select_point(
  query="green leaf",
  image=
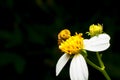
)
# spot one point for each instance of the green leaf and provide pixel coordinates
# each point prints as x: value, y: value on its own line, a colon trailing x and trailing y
x: 10, y: 58
x: 6, y: 35
x: 5, y: 59
x: 9, y: 3
x: 19, y: 64
x: 35, y: 36
x: 12, y: 38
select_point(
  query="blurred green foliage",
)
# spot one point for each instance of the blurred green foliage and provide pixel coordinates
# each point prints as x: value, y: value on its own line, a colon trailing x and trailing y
x: 28, y: 36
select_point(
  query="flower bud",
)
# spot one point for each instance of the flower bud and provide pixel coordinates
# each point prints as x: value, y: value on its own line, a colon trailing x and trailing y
x: 95, y: 30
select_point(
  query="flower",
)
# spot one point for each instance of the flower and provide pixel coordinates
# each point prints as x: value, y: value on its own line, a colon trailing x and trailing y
x: 95, y: 30
x: 73, y: 46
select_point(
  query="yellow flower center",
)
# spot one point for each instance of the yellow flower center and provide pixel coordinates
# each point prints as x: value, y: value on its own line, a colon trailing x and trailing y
x: 73, y: 44
x: 95, y: 30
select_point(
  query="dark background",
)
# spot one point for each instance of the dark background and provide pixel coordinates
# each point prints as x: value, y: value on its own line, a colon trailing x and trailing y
x: 28, y: 36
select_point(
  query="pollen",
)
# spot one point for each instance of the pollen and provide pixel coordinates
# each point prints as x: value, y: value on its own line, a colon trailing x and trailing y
x: 72, y: 45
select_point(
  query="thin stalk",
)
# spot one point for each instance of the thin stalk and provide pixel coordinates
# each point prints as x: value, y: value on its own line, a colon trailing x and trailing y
x: 102, y: 70
x: 93, y: 65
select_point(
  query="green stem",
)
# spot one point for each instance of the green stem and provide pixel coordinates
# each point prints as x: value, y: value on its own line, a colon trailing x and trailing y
x: 100, y: 61
x: 93, y: 65
x: 102, y: 67
x: 105, y: 74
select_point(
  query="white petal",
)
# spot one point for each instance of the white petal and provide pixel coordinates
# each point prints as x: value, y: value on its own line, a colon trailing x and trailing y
x: 61, y: 63
x: 78, y: 68
x: 97, y: 43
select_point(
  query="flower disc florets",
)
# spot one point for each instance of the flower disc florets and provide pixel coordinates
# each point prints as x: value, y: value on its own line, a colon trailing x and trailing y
x: 72, y: 45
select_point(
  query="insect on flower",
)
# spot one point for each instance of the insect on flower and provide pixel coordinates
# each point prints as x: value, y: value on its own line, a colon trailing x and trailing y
x: 63, y: 35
